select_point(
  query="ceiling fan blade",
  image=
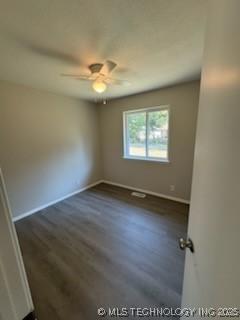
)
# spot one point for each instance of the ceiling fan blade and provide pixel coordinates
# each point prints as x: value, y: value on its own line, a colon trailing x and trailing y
x: 108, y: 67
x: 93, y: 76
x: 81, y: 76
x: 82, y: 79
x: 118, y: 82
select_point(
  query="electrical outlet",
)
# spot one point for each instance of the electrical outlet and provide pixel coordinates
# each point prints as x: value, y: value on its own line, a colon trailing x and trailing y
x: 172, y: 187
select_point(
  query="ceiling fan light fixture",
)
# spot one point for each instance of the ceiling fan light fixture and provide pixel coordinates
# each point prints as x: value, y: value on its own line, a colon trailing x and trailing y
x: 99, y: 86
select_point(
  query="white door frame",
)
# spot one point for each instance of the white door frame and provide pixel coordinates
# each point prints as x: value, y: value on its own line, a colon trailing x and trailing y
x: 15, y: 297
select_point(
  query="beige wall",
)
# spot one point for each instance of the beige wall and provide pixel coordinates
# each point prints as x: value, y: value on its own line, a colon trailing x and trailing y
x: 48, y: 145
x: 153, y: 176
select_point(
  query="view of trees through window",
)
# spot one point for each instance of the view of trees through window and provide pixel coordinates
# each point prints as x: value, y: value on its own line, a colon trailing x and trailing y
x: 147, y: 133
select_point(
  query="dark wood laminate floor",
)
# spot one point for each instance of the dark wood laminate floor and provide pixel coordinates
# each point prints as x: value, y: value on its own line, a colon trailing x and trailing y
x: 103, y: 247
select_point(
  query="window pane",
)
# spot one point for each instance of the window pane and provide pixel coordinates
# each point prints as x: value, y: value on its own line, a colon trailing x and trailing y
x: 136, y: 136
x: 158, y: 134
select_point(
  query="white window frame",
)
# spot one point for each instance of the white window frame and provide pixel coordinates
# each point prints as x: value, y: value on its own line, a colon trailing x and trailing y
x: 125, y: 131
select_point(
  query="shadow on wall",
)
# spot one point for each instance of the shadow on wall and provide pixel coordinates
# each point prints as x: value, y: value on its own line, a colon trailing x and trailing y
x: 49, y: 146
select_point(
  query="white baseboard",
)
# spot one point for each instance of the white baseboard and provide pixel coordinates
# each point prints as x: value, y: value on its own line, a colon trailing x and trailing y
x: 160, y: 195
x: 26, y: 214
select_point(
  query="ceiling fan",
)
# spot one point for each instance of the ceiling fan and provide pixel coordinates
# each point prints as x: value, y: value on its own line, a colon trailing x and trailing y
x: 99, y: 75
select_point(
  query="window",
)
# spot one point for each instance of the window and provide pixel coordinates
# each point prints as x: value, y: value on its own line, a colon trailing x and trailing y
x: 146, y: 134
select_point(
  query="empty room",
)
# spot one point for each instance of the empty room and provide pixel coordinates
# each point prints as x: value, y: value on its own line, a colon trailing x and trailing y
x: 119, y: 159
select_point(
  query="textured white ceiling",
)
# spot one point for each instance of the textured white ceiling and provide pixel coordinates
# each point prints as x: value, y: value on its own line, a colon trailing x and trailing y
x: 154, y: 42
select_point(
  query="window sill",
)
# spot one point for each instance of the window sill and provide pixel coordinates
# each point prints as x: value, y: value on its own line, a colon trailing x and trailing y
x: 165, y: 161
